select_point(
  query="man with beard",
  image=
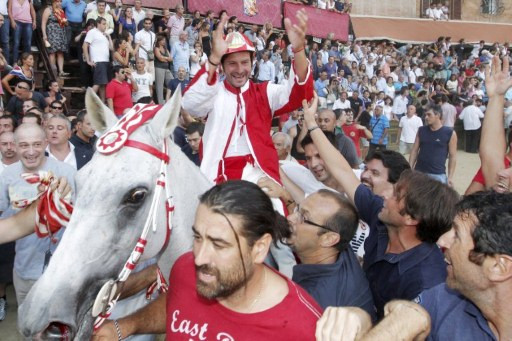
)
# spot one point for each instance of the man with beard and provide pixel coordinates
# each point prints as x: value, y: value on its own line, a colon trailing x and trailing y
x: 401, y: 258
x: 222, y: 290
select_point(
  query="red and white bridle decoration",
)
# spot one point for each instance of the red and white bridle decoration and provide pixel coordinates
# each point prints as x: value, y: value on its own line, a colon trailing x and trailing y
x: 111, y: 142
x: 53, y: 210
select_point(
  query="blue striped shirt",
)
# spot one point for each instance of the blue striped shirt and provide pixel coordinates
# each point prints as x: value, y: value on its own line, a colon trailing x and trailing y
x: 377, y: 125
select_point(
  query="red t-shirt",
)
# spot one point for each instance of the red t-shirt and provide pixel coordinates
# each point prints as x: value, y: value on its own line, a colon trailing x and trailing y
x: 121, y: 94
x: 354, y: 134
x: 192, y: 317
x: 479, y: 176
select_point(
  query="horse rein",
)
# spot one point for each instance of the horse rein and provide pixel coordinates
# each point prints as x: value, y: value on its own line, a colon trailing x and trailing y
x: 110, y: 142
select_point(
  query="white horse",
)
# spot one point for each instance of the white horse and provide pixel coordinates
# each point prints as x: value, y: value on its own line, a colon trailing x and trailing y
x: 114, y: 198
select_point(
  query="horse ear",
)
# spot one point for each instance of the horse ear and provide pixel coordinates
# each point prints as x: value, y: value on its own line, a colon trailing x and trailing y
x: 102, y: 118
x: 166, y: 118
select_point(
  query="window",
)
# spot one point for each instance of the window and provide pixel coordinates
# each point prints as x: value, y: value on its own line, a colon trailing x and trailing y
x: 492, y: 7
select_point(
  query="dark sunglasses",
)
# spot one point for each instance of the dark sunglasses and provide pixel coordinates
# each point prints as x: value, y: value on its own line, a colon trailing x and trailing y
x: 54, y: 107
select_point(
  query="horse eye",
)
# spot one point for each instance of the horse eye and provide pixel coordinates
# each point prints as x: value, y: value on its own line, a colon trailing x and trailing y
x: 136, y: 196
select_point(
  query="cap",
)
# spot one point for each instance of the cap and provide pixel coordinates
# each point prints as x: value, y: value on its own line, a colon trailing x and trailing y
x: 239, y: 43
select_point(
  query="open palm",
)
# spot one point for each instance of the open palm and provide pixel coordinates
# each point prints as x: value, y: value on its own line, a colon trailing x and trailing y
x: 297, y: 32
x: 219, y: 45
x: 497, y: 77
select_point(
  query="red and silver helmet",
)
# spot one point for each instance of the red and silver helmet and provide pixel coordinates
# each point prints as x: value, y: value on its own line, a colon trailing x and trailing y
x: 239, y: 43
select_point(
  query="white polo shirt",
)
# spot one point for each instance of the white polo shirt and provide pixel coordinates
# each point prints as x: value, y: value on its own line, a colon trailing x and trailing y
x: 99, y: 49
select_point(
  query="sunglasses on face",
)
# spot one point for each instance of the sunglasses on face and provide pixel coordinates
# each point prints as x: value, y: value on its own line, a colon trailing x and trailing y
x: 54, y: 107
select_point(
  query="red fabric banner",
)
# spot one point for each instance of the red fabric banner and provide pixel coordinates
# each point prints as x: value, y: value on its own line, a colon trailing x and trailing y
x: 321, y: 22
x: 248, y: 11
x: 161, y: 4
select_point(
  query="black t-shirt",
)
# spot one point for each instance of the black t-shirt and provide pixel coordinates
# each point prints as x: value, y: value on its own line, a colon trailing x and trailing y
x: 187, y: 150
x: 160, y: 23
x: 179, y: 136
x: 364, y: 119
x: 15, y: 105
x: 355, y: 104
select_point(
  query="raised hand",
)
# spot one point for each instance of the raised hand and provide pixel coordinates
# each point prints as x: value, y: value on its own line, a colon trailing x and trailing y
x: 310, y: 111
x: 497, y: 77
x: 219, y: 45
x: 297, y: 32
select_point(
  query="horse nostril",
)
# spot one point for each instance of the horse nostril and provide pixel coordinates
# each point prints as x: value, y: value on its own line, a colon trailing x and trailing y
x: 57, y: 331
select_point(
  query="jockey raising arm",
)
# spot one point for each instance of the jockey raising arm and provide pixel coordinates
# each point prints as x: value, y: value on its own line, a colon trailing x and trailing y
x: 236, y: 142
x: 239, y: 111
x: 22, y: 223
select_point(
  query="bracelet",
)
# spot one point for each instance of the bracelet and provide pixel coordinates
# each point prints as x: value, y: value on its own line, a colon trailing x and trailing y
x: 212, y: 63
x: 313, y: 128
x: 118, y: 330
x: 297, y: 51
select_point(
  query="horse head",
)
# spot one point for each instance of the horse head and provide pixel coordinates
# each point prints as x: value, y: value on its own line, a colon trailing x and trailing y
x: 114, y: 199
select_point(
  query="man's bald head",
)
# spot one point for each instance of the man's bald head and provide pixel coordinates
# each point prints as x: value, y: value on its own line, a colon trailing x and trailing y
x: 31, y: 143
x: 31, y: 129
x: 327, y: 120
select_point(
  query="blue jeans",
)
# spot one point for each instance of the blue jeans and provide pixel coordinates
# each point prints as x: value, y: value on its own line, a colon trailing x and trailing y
x: 22, y: 31
x: 5, y: 30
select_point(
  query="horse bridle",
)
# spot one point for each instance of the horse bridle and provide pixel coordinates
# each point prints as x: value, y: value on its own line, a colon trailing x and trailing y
x: 110, y: 142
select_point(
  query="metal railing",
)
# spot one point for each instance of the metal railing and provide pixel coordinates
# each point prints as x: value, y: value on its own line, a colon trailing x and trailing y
x: 43, y: 53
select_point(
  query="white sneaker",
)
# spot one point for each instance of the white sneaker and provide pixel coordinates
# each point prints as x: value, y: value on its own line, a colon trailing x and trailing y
x: 3, y: 307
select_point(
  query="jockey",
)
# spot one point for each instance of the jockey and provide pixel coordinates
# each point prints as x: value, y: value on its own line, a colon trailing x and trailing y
x: 237, y: 143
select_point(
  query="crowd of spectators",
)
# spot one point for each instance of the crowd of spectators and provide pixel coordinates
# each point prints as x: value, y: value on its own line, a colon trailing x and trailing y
x: 338, y: 6
x: 129, y: 55
x: 438, y: 11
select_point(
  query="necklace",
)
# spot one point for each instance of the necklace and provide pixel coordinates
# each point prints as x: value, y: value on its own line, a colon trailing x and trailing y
x: 256, y: 299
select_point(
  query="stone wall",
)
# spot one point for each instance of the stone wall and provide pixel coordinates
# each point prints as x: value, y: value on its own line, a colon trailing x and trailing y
x: 471, y: 10
x: 387, y: 8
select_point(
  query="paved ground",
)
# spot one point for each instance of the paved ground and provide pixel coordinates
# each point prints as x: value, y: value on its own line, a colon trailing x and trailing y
x: 467, y: 165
